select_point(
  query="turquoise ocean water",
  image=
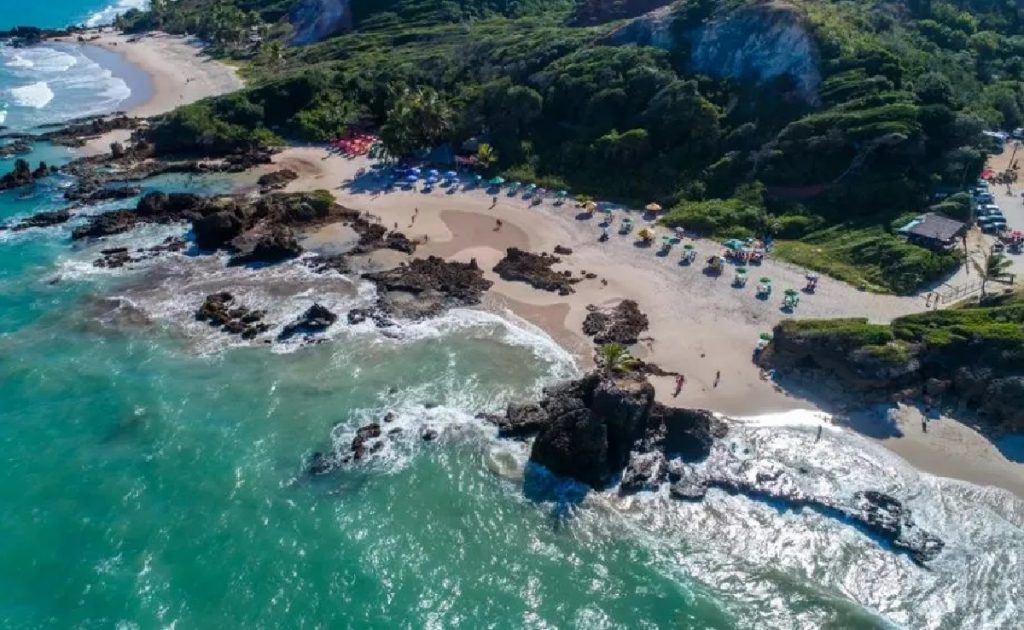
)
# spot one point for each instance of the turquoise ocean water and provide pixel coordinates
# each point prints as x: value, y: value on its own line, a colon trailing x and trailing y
x: 151, y: 471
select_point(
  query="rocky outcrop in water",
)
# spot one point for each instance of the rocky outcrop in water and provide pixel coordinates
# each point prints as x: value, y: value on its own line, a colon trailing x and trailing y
x: 604, y: 424
x: 156, y: 207
x: 41, y: 219
x: 17, y: 147
x: 75, y: 133
x: 269, y: 243
x: 116, y: 257
x: 621, y: 324
x: 88, y: 191
x: 316, y: 319
x: 23, y: 175
x: 221, y: 309
x: 535, y: 270
x: 426, y: 287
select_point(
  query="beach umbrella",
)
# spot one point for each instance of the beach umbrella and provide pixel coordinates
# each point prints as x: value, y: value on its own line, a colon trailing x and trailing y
x: 812, y: 276
x: 765, y: 279
x: 652, y: 207
x: 562, y: 194
x: 687, y: 247
x: 496, y: 181
x: 411, y: 178
x: 766, y: 337
x: 433, y: 172
x: 735, y: 244
x: 431, y: 180
x: 666, y: 240
x: 627, y: 220
x: 791, y: 292
x: 741, y: 270
x: 515, y: 185
x: 451, y: 174
x: 531, y: 186
x: 477, y: 178
x: 415, y: 171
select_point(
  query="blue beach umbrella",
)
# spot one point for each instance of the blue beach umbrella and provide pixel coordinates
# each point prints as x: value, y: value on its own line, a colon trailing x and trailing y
x: 414, y: 171
x: 433, y: 172
x: 451, y: 174
x: 431, y: 180
x: 411, y: 178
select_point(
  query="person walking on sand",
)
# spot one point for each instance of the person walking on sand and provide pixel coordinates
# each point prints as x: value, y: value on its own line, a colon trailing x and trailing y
x: 494, y: 201
x: 680, y: 381
x: 718, y: 377
x: 818, y: 438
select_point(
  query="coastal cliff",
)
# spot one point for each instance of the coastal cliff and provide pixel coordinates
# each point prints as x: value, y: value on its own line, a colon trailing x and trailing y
x: 314, y: 20
x: 757, y: 42
x: 971, y: 355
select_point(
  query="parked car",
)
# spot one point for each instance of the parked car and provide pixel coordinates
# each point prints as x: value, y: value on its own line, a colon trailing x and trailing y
x: 984, y: 198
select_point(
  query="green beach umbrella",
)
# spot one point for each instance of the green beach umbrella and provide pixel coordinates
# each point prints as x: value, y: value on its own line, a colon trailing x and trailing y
x: 687, y: 246
x: 562, y: 194
x: 734, y: 244
x: 765, y: 279
x: 532, y: 186
x: 497, y: 181
x: 515, y: 184
x: 627, y: 220
x: 791, y: 292
x: 666, y: 239
x: 766, y: 337
x: 741, y: 270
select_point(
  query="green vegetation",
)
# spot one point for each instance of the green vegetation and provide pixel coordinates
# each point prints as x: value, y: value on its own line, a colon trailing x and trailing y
x: 907, y: 87
x: 615, y: 357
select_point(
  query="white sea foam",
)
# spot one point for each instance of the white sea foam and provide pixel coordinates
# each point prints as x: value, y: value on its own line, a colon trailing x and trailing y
x: 111, y: 11
x: 36, y: 95
x: 19, y: 61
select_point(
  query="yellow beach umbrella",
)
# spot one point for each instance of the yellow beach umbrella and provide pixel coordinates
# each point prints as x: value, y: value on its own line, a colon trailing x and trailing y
x: 652, y: 207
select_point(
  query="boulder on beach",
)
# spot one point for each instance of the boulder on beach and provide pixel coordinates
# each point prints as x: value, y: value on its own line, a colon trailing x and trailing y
x: 535, y: 270
x: 316, y: 319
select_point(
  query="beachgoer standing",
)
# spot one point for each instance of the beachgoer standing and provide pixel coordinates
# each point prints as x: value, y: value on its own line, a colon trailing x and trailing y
x: 680, y: 381
x: 718, y: 377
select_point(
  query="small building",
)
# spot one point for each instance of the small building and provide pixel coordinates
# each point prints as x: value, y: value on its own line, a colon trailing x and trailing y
x: 936, y: 232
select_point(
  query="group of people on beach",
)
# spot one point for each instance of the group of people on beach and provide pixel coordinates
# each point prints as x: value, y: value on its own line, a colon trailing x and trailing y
x: 681, y: 381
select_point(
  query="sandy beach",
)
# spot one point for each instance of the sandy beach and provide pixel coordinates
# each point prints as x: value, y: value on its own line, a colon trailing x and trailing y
x: 700, y: 325
x: 178, y: 70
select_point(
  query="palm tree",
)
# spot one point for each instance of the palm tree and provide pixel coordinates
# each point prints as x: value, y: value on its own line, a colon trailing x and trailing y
x: 273, y: 52
x: 615, y: 357
x: 486, y: 156
x: 995, y: 268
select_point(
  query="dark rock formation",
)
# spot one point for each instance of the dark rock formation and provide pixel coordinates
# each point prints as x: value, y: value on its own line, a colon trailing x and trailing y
x: 337, y: 263
x: 267, y: 243
x: 220, y: 309
x: 427, y: 286
x: 155, y: 207
x: 22, y: 175
x: 316, y: 319
x: 596, y: 427
x: 971, y: 355
x: 276, y: 180
x: 622, y: 324
x: 116, y: 257
x: 42, y: 219
x: 88, y: 191
x: 535, y: 270
x: 562, y: 250
x: 78, y: 131
x: 18, y: 147
x: 374, y: 236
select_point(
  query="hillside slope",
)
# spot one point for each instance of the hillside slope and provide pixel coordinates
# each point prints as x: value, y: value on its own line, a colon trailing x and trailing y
x: 807, y: 120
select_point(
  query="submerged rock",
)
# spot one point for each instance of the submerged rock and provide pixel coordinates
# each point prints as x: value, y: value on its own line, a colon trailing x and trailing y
x: 42, y: 219
x: 220, y: 309
x: 22, y: 174
x: 427, y: 286
x: 316, y: 319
